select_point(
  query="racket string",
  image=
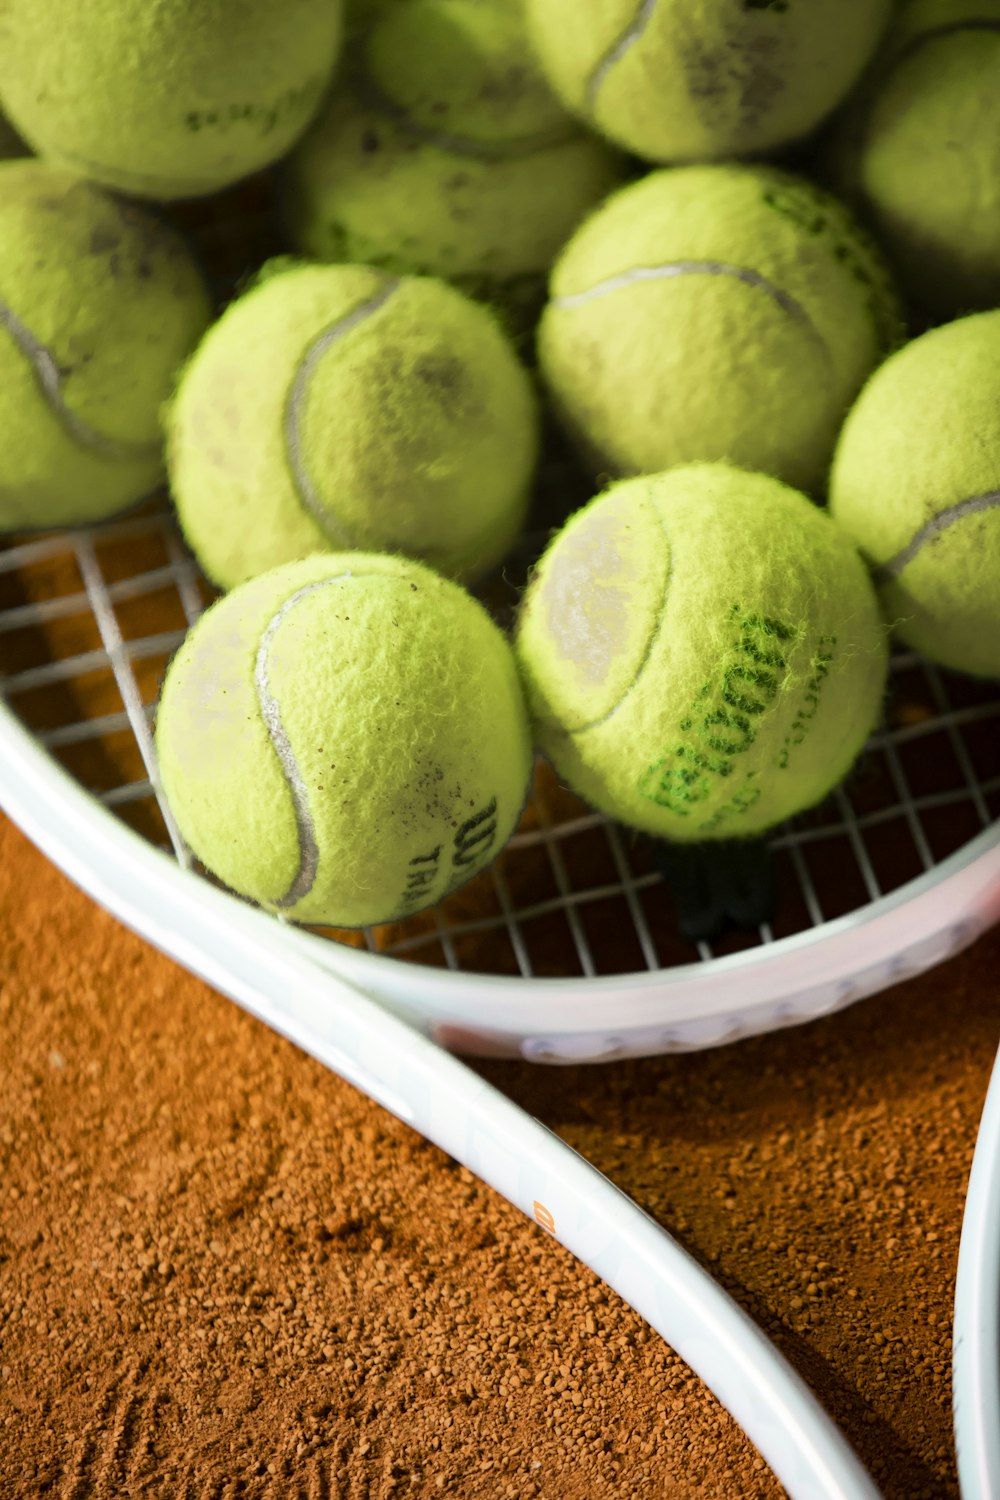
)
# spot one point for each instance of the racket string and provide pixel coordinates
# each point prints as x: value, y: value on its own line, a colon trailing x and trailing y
x: 106, y: 607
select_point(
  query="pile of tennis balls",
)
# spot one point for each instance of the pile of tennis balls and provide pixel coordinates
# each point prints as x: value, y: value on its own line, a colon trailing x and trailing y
x: 743, y: 256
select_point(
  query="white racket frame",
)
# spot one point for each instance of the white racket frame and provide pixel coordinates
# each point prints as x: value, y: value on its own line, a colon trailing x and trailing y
x: 976, y: 1340
x: 375, y: 1019
x: 245, y: 955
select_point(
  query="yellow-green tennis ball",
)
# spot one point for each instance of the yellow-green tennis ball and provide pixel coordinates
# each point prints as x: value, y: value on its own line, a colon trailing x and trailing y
x: 715, y: 312
x: 916, y: 482
x: 443, y: 151
x: 166, y: 98
x: 100, y: 304
x: 921, y: 148
x: 344, y: 740
x: 336, y: 407
x: 703, y: 653
x: 696, y: 80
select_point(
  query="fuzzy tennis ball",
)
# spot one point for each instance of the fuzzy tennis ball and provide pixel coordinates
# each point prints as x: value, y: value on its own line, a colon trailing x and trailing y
x: 443, y: 151
x: 165, y: 98
x: 916, y: 482
x: 335, y: 407
x: 344, y: 739
x: 715, y: 312
x: 690, y: 80
x: 703, y: 653
x: 921, y: 148
x: 100, y: 304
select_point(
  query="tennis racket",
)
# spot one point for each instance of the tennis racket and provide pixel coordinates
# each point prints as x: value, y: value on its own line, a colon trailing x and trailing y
x: 898, y: 871
x: 976, y: 1341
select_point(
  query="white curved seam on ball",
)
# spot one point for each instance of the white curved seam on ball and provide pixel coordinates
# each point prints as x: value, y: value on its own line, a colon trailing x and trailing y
x: 49, y: 378
x: 644, y: 660
x: 462, y: 145
x: 305, y: 875
x: 617, y: 51
x: 745, y: 274
x: 309, y: 496
x: 933, y: 529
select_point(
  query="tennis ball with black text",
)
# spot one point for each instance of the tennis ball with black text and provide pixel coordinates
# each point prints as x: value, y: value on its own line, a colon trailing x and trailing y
x: 702, y: 652
x: 344, y: 739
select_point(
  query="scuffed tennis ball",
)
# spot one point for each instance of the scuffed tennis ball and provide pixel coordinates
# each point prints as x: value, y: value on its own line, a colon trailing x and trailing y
x: 689, y: 80
x: 702, y: 652
x: 443, y: 151
x: 344, y: 740
x: 163, y: 98
x: 100, y: 304
x: 920, y: 147
x: 338, y: 406
x: 715, y: 312
x: 916, y: 483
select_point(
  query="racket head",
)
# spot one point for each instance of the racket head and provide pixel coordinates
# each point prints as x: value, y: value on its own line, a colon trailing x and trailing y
x: 571, y: 947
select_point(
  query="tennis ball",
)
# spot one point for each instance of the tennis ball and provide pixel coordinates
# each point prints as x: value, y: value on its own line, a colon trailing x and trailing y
x: 920, y: 147
x: 100, y: 305
x: 344, y: 739
x: 715, y: 312
x: 690, y: 80
x: 336, y: 407
x: 916, y: 482
x: 444, y: 152
x: 702, y: 652
x: 164, y: 98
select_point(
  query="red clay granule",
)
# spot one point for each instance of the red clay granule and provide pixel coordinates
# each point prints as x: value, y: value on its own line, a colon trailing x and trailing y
x: 225, y: 1273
